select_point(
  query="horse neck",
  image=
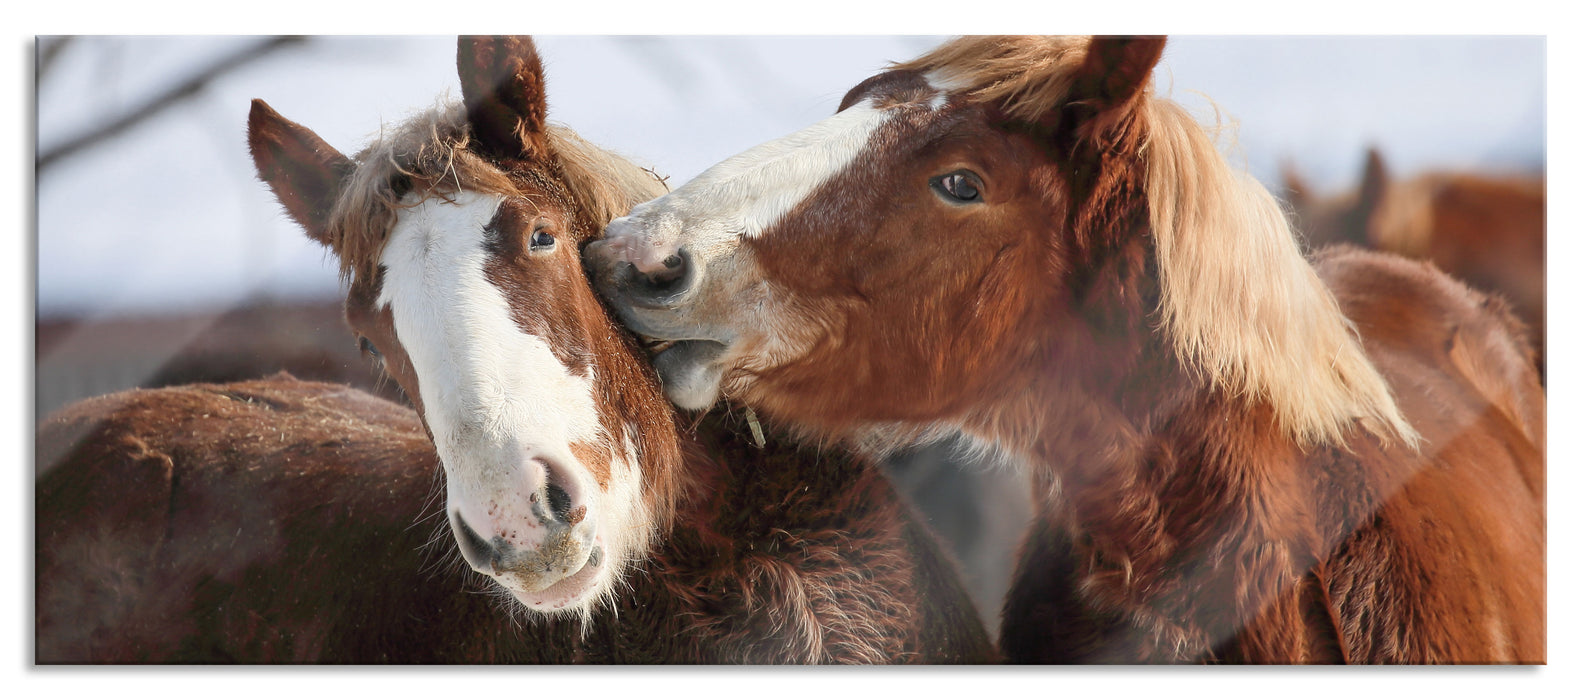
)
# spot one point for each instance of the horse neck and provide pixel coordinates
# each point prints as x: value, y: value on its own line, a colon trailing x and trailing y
x: 1132, y: 452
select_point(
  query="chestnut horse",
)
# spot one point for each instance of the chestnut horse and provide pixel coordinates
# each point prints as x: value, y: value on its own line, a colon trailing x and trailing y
x: 569, y: 481
x: 283, y: 521
x: 1486, y: 230
x: 1238, y: 454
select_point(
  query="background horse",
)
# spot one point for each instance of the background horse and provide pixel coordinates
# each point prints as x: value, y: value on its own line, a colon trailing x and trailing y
x: 282, y: 521
x: 564, y: 466
x: 1237, y: 456
x: 1485, y: 230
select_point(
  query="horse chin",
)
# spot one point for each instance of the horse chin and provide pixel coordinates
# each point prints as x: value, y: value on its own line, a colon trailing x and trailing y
x: 690, y: 372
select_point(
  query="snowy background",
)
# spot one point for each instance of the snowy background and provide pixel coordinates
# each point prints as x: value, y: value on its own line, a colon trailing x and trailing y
x: 168, y: 218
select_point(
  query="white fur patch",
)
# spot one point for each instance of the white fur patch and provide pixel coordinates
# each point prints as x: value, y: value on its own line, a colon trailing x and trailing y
x: 493, y: 396
x: 747, y: 193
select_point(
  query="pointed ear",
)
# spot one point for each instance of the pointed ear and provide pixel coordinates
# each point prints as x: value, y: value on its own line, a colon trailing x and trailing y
x: 1297, y: 192
x: 1370, y: 200
x: 1112, y: 75
x: 1116, y: 69
x: 305, y: 173
x: 1374, y: 181
x: 502, y: 84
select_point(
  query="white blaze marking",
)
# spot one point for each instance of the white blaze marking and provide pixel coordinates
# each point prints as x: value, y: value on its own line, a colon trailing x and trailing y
x: 747, y: 193
x: 481, y: 378
x: 494, y: 396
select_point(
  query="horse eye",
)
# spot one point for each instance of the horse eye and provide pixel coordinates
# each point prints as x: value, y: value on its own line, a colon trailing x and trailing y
x: 959, y: 186
x: 541, y: 240
x: 367, y: 346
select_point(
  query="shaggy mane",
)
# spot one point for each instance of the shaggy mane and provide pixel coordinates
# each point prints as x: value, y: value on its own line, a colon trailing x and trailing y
x: 1026, y: 76
x: 431, y: 151
x: 1240, y: 303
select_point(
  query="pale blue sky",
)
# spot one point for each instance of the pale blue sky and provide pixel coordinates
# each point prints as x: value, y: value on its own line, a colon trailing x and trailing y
x: 177, y: 221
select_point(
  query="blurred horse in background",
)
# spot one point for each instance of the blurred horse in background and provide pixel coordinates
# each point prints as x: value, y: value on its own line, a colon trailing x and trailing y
x: 1484, y: 229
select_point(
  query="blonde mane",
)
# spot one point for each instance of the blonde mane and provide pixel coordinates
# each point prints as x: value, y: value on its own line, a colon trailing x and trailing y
x: 1239, y: 302
x: 1027, y: 76
x: 429, y: 152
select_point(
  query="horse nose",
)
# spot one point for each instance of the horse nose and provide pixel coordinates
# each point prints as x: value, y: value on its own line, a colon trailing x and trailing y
x: 530, y: 524
x: 483, y: 555
x: 656, y: 285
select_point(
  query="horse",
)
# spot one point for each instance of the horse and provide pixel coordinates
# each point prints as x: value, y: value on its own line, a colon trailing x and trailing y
x: 1238, y: 454
x: 570, y: 483
x: 1486, y: 230
x: 286, y: 521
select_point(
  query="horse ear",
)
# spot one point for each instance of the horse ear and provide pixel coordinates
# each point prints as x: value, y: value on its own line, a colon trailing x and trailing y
x: 1298, y: 199
x: 1370, y: 194
x: 305, y: 173
x: 502, y: 84
x: 1297, y: 192
x: 1113, y: 74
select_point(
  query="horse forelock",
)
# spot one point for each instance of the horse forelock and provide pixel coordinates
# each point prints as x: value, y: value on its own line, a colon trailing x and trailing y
x: 1239, y: 301
x: 1026, y: 77
x: 430, y: 153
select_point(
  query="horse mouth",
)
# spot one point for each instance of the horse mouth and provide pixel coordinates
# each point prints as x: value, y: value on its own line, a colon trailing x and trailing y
x: 569, y: 591
x: 655, y: 346
x: 694, y: 351
x: 684, y: 353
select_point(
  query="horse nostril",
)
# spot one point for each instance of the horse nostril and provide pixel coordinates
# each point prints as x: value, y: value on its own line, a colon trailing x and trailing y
x: 559, y: 503
x: 669, y: 278
x: 476, y: 550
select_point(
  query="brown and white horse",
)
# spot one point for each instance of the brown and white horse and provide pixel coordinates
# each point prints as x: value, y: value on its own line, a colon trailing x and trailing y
x: 1484, y: 229
x: 459, y: 233
x: 1239, y: 454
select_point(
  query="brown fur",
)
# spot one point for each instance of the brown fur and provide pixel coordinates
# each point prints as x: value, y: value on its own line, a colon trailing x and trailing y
x: 1485, y: 230
x: 280, y: 521
x: 770, y: 556
x: 1237, y: 455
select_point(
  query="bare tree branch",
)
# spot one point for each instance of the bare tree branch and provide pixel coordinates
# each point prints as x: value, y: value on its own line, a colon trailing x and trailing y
x: 161, y: 102
x: 48, y: 51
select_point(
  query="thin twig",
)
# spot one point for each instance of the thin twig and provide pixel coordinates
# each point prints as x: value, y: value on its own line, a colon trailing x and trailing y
x: 163, y: 101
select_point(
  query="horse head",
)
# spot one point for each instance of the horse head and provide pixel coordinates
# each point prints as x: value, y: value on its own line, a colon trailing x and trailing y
x: 997, y: 209
x: 458, y: 233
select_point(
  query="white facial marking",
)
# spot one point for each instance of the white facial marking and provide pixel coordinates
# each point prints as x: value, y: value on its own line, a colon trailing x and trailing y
x: 481, y: 377
x: 747, y: 193
x: 497, y: 399
x: 945, y: 82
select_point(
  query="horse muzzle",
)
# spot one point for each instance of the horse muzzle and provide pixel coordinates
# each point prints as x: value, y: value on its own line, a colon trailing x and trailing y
x: 537, y: 538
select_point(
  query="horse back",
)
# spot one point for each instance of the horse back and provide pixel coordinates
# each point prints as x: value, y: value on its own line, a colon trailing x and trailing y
x: 281, y: 521
x: 1438, y: 553
x: 272, y: 521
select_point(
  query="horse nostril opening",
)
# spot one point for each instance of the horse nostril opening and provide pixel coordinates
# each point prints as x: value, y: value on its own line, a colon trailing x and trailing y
x: 671, y: 277
x: 560, y: 504
x: 474, y: 548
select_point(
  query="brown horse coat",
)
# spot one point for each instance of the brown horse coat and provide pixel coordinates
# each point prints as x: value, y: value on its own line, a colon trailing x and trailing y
x: 1238, y: 453
x: 1224, y: 543
x: 281, y: 521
